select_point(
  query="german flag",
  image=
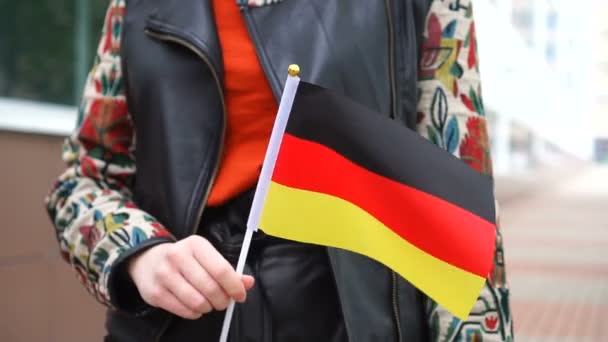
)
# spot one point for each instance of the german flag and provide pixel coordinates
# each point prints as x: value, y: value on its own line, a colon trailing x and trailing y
x: 351, y: 178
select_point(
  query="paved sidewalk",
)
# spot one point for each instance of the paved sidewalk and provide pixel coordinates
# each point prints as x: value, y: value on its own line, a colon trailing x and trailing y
x: 556, y: 245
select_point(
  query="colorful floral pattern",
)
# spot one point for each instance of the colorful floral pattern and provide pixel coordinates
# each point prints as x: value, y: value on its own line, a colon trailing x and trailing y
x: 451, y: 115
x: 474, y: 147
x: 90, y: 204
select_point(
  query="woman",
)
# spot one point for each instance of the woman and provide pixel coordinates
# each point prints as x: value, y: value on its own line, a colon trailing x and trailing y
x: 173, y: 127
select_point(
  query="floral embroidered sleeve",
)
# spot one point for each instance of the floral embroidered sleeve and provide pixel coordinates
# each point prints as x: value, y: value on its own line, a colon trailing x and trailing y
x: 97, y: 224
x: 451, y: 115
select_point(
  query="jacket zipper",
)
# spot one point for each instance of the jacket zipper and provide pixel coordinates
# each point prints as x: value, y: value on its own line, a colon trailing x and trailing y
x: 199, y: 53
x: 391, y: 48
x: 396, y: 307
x: 391, y: 56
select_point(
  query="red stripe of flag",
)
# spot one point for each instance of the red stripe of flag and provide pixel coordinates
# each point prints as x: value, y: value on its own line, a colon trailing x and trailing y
x: 451, y: 234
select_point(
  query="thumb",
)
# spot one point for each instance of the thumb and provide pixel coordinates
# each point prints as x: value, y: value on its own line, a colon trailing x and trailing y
x: 248, y: 281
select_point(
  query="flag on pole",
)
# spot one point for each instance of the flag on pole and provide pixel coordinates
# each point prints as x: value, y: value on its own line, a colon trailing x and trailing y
x: 351, y: 178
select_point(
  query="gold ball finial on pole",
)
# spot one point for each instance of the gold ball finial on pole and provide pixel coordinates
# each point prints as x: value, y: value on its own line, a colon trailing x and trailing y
x: 294, y: 70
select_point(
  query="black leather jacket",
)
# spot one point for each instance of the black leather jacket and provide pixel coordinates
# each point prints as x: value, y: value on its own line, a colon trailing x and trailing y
x: 172, y: 62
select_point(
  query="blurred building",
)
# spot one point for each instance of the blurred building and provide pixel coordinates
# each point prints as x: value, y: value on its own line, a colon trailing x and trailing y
x: 522, y: 16
x: 575, y: 44
x: 600, y: 80
x: 536, y: 70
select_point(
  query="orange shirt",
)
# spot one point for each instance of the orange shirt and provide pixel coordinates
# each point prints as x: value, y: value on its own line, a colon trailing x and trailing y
x: 250, y: 104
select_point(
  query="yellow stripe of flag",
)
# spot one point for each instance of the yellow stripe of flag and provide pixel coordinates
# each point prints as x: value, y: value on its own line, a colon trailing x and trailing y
x: 318, y: 218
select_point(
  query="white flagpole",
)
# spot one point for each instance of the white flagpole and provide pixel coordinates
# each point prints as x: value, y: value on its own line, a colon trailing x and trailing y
x: 289, y: 93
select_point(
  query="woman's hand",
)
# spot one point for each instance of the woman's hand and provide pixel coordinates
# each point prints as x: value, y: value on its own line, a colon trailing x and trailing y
x: 187, y: 278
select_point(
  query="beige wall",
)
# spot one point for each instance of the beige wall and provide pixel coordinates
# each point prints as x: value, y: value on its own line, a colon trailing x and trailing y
x: 40, y: 298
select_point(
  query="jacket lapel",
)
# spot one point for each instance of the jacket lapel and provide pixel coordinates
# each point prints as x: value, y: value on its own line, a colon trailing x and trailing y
x: 191, y: 21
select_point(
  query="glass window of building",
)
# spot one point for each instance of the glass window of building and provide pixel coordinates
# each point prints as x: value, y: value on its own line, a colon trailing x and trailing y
x: 47, y: 48
x: 523, y: 19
